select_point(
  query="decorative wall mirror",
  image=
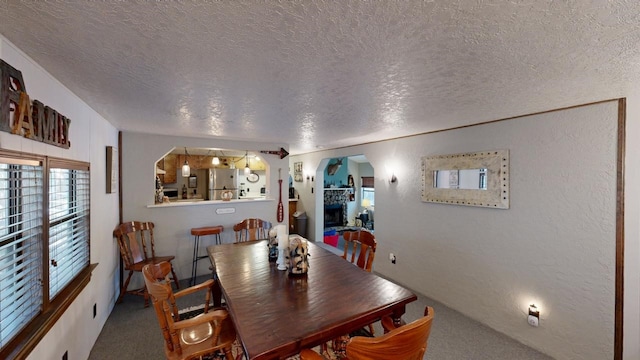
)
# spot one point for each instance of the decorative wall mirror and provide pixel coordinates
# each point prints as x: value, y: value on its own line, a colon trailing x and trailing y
x: 472, y: 179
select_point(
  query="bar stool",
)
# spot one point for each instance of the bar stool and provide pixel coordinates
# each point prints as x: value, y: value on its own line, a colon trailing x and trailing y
x: 197, y: 232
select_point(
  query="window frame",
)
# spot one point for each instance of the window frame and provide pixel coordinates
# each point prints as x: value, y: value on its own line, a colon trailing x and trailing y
x: 367, y: 184
x: 52, y: 308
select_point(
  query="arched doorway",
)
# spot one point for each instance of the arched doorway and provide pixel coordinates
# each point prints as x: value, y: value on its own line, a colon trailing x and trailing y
x: 340, y: 194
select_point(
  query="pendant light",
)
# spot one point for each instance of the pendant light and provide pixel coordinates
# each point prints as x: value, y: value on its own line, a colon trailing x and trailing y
x: 247, y: 170
x: 215, y: 160
x: 186, y: 170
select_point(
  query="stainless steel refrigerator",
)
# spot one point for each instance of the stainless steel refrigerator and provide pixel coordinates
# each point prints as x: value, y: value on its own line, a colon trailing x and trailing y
x: 220, y: 180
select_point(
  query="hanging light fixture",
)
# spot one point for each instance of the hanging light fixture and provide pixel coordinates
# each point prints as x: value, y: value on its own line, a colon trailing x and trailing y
x: 247, y: 170
x: 186, y: 170
x: 216, y: 159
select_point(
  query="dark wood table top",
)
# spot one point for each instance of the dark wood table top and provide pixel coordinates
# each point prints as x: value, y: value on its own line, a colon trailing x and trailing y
x: 277, y: 314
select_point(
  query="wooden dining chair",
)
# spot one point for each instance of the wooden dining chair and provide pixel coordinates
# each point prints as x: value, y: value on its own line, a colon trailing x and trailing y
x: 137, y: 248
x: 251, y: 229
x: 408, y: 342
x: 205, y: 334
x: 388, y: 324
x: 360, y: 248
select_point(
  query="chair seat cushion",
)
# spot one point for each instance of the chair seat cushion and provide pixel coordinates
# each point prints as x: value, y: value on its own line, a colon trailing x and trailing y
x: 196, y: 334
x: 207, y: 230
x: 203, y: 346
x: 156, y: 260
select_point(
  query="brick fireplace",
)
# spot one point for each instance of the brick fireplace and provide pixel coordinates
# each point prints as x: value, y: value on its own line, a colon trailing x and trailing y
x: 335, y: 207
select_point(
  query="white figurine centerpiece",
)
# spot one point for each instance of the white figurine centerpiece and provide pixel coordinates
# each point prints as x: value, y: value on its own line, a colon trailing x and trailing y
x: 283, y: 245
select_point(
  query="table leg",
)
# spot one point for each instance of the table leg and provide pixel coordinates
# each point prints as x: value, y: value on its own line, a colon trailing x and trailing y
x: 217, y: 293
x: 397, y: 316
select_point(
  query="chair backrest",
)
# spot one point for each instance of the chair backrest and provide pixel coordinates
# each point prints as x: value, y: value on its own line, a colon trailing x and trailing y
x: 360, y: 248
x: 135, y: 240
x: 177, y: 332
x: 408, y: 342
x: 251, y: 229
x: 156, y: 277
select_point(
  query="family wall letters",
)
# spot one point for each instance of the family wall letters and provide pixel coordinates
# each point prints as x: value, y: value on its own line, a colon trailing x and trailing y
x: 31, y: 119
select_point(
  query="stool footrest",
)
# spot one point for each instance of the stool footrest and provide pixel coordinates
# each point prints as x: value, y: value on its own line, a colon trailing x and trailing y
x: 197, y: 233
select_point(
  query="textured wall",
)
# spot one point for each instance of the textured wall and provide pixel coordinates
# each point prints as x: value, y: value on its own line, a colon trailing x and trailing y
x: 76, y: 331
x: 555, y: 246
x: 173, y: 224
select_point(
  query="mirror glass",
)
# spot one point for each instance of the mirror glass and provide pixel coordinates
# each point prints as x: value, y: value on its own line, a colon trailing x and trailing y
x: 474, y: 179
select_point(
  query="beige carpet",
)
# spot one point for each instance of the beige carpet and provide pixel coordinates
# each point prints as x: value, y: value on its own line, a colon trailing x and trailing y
x: 131, y: 333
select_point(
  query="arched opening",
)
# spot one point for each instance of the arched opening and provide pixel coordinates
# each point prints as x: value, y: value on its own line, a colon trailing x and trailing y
x: 345, y: 199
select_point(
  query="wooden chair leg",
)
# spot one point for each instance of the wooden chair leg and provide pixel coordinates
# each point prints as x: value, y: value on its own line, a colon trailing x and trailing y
x: 124, y: 287
x: 146, y: 297
x: 175, y: 278
x: 228, y: 354
x: 323, y: 348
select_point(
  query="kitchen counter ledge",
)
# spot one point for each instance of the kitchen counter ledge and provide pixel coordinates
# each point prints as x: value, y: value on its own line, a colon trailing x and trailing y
x: 200, y: 202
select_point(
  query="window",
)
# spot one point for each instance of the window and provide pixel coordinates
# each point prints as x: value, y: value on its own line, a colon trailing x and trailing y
x: 44, y: 255
x: 367, y: 190
x: 20, y: 246
x: 68, y: 226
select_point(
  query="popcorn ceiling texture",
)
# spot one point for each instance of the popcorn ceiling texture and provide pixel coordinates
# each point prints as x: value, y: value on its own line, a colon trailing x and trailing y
x: 328, y: 73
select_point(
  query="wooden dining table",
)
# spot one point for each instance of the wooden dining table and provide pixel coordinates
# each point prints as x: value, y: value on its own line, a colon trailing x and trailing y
x: 277, y: 314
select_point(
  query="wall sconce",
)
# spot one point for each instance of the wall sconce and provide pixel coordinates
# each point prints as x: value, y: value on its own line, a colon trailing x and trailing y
x: 393, y: 179
x: 186, y: 169
x: 534, y: 315
x: 308, y: 177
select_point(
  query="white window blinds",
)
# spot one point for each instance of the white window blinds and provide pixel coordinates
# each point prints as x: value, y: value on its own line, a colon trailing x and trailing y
x: 68, y: 226
x: 21, y: 202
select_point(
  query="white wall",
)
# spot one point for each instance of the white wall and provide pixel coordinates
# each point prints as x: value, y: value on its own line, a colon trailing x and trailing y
x: 555, y: 246
x: 252, y: 190
x: 173, y: 224
x: 76, y: 331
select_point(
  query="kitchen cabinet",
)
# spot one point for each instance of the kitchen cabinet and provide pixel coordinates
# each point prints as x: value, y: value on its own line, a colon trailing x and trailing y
x: 169, y: 166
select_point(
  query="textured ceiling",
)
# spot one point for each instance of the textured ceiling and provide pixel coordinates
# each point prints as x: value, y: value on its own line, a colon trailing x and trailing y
x: 327, y: 73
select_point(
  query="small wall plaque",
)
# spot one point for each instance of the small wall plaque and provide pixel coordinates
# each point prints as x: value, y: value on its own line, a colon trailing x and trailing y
x: 225, y: 211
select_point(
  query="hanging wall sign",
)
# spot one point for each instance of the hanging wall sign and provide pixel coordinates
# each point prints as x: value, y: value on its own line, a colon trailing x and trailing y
x: 31, y: 119
x: 282, y: 152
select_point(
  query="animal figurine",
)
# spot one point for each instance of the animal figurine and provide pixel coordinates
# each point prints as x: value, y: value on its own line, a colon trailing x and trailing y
x: 298, y: 256
x: 333, y: 168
